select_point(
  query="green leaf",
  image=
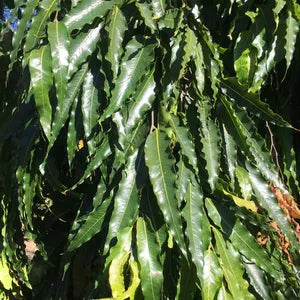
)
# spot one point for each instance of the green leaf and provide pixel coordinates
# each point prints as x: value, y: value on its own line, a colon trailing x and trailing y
x: 62, y: 113
x: 101, y: 154
x: 241, y: 202
x: 41, y: 76
x: 248, y: 246
x: 211, y: 143
x: 150, y: 266
x: 182, y: 181
x: 197, y: 227
x: 185, y: 141
x: 72, y: 134
x: 292, y: 28
x: 5, y: 277
x: 268, y: 201
x: 59, y: 44
x: 89, y: 108
x: 212, y: 275
x: 244, y: 131
x: 186, y: 285
x: 118, y: 256
x: 116, y: 30
x: 125, y: 202
x: 81, y: 47
x: 143, y: 99
x: 38, y: 24
x: 232, y: 268
x: 159, y: 8
x: 162, y: 177
x: 223, y: 294
x: 86, y: 11
x: 146, y: 12
x: 257, y: 280
x: 250, y: 101
x: 91, y: 226
x: 19, y: 35
x: 244, y: 182
x: 230, y: 154
x: 200, y: 71
x: 136, y: 58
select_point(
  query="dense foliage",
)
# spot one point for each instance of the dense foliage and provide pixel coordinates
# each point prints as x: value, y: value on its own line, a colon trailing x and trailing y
x: 149, y: 149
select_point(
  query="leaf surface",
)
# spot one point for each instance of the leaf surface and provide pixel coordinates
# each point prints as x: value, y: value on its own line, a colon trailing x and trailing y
x: 151, y: 268
x: 41, y: 76
x: 163, y: 179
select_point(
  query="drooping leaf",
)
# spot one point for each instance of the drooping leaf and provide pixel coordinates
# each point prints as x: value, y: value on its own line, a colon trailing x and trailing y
x: 72, y: 134
x: 125, y: 201
x: 257, y: 280
x: 81, y: 47
x: 224, y: 294
x: 241, y: 202
x: 163, y: 179
x: 137, y: 56
x: 243, y: 98
x: 59, y: 44
x: 62, y: 113
x: 159, y: 7
x: 292, y: 29
x: 197, y: 228
x: 117, y: 259
x: 210, y: 139
x: 186, y: 286
x: 146, y: 12
x: 101, y: 154
x: 86, y: 11
x: 212, y: 275
x: 143, y: 98
x: 116, y: 30
x: 18, y: 36
x: 150, y: 266
x: 268, y: 201
x: 38, y: 24
x: 89, y: 107
x: 231, y: 154
x: 244, y: 182
x: 232, y: 268
x: 185, y: 141
x: 91, y: 226
x: 182, y: 180
x: 41, y: 76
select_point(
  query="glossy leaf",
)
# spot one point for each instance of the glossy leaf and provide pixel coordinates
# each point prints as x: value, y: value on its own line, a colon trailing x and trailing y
x: 212, y: 275
x: 197, y: 228
x: 116, y: 29
x: 210, y: 139
x: 85, y: 13
x: 61, y: 114
x: 250, y: 100
x: 137, y: 56
x: 59, y: 44
x: 89, y: 107
x: 292, y: 29
x: 268, y: 201
x: 81, y: 47
x: 232, y: 268
x: 150, y: 266
x: 41, y: 76
x: 163, y: 181
x: 125, y: 202
x: 38, y: 24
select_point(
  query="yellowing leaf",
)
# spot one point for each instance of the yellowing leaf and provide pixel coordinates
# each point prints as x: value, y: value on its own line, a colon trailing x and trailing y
x: 242, y: 202
x: 5, y: 277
